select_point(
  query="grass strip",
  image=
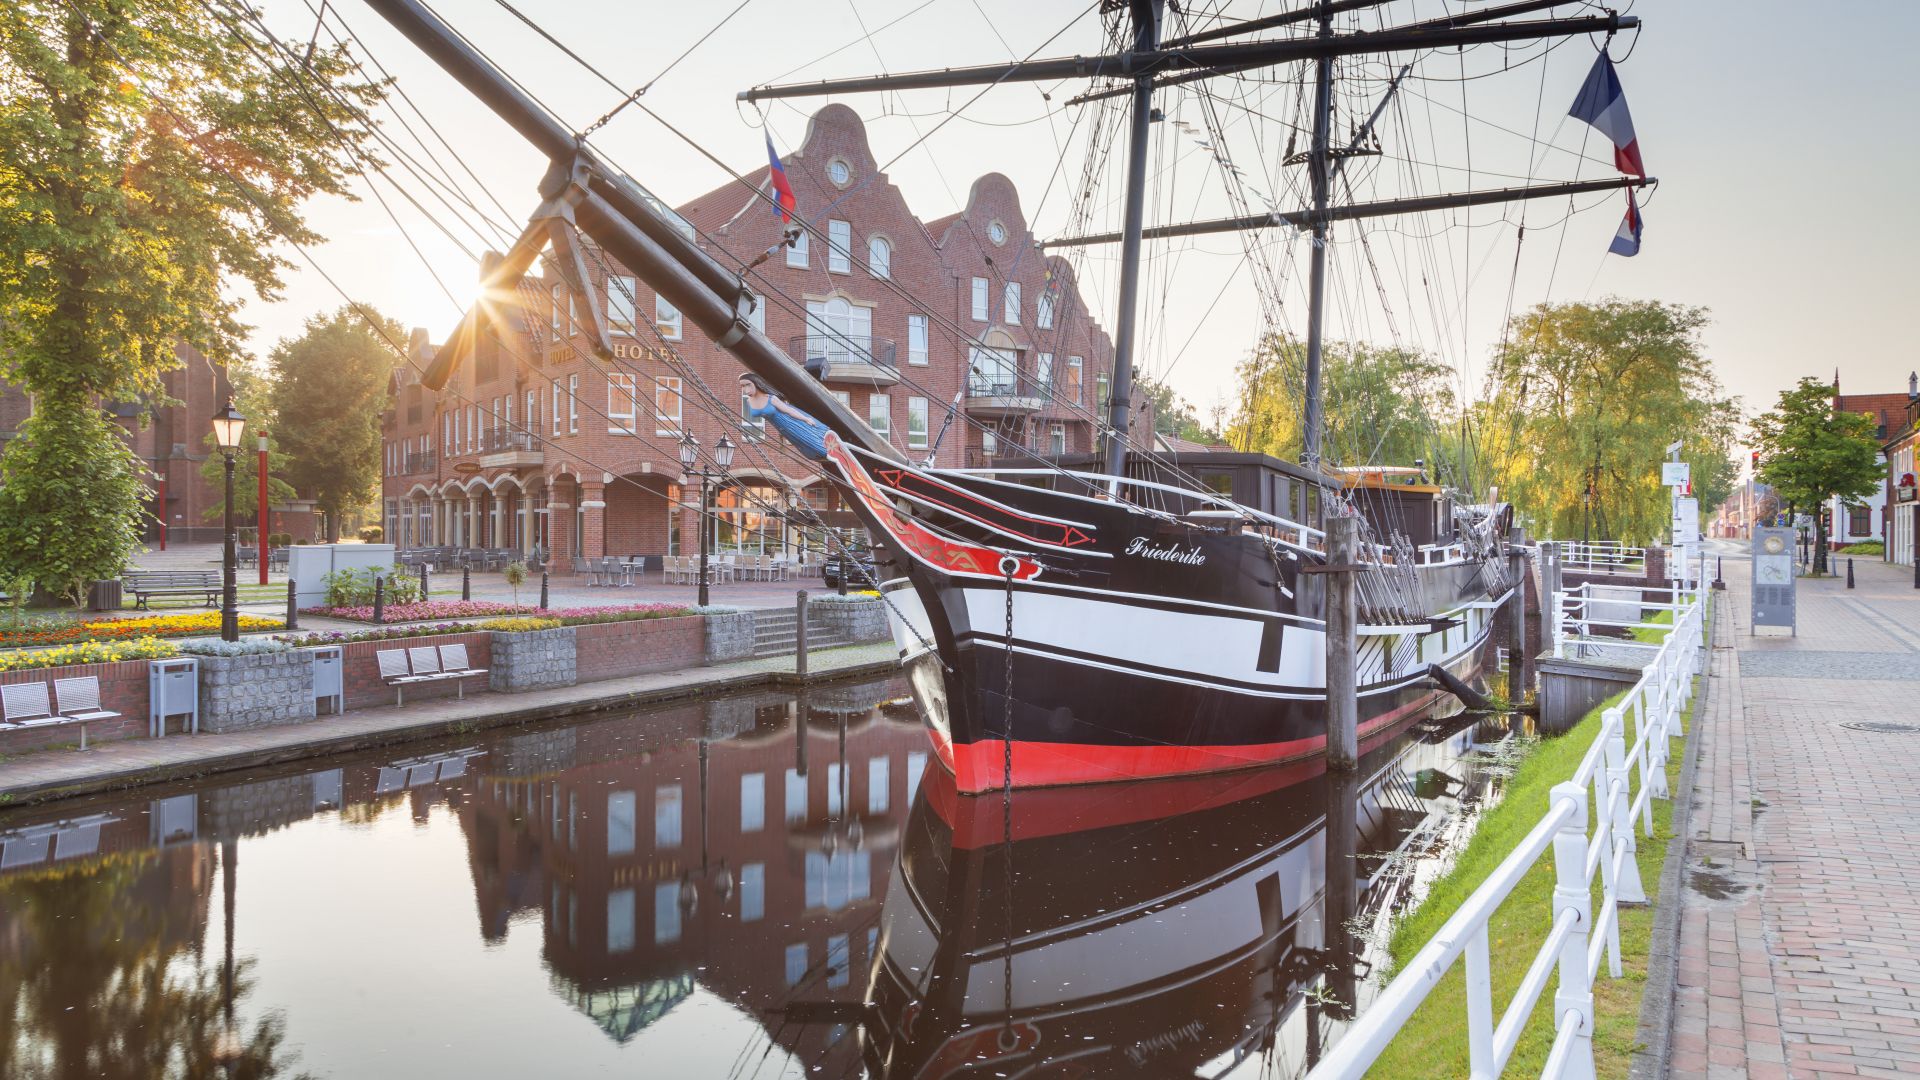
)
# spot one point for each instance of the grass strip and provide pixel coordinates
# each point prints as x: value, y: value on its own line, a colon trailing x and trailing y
x: 1434, y: 1041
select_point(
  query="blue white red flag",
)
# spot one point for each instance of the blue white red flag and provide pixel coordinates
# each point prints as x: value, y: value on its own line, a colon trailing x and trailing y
x: 1627, y: 240
x: 784, y: 202
x: 1602, y: 104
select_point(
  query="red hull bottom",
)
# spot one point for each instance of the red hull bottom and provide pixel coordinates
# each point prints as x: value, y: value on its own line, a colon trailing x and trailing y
x: 980, y: 767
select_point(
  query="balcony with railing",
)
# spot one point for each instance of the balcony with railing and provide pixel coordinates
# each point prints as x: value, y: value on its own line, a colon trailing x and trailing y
x: 848, y: 358
x: 421, y: 462
x: 1001, y: 393
x: 510, y: 449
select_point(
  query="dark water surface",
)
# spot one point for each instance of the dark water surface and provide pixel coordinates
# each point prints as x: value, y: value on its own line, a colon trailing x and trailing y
x: 713, y: 890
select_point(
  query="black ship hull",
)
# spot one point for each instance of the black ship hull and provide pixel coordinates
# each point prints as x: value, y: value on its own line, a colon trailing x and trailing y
x: 1054, y: 638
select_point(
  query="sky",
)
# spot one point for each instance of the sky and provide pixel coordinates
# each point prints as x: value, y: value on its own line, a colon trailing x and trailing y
x: 1775, y: 130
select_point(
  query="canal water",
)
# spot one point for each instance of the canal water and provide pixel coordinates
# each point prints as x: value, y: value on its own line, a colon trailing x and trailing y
x: 743, y: 887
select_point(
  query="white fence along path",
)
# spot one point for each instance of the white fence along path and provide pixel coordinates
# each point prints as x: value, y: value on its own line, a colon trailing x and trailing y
x: 1622, y: 772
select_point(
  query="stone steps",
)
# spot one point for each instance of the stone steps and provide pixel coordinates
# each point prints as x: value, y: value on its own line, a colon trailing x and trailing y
x: 774, y: 634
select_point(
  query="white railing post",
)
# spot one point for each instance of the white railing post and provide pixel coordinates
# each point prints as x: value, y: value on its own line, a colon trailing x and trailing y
x: 1573, y: 998
x: 1482, y: 1062
x: 1627, y: 885
x: 1559, y: 623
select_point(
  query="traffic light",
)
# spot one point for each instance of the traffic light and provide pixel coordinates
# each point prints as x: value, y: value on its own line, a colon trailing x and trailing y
x: 1756, y: 461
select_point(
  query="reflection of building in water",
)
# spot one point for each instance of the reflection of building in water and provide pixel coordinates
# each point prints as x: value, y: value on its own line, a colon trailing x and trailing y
x: 711, y: 842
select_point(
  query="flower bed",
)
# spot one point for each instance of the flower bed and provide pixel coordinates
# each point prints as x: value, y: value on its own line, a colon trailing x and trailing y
x: 89, y: 652
x: 51, y: 632
x: 385, y: 633
x: 519, y: 624
x: 477, y: 609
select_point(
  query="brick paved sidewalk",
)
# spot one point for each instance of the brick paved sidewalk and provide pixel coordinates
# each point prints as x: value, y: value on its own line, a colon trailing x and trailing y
x: 1800, y: 918
x: 127, y: 762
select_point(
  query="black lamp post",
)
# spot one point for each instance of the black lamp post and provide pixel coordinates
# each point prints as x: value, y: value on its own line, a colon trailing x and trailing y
x: 227, y: 425
x: 722, y: 460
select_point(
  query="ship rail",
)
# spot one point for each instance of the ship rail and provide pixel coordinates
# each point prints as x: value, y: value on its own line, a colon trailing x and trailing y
x: 1621, y: 773
x: 1291, y: 533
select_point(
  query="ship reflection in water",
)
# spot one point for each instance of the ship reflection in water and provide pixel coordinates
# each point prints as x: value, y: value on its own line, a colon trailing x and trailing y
x: 749, y: 886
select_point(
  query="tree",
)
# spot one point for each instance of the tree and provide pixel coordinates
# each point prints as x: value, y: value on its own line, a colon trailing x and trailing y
x: 329, y: 396
x: 1811, y: 453
x: 1382, y: 405
x: 148, y: 155
x: 1172, y: 414
x: 252, y: 395
x: 1583, y: 401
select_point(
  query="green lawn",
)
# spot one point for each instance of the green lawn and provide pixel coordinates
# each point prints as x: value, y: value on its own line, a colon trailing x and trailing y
x: 1434, y: 1042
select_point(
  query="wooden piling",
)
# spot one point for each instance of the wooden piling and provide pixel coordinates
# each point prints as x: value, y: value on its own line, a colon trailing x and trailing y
x: 800, y: 632
x: 1343, y: 713
x: 1519, y: 657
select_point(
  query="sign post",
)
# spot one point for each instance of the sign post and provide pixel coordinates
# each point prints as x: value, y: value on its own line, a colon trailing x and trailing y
x: 1684, y: 521
x: 1773, y: 579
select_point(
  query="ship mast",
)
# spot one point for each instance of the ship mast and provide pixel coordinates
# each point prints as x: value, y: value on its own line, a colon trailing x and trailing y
x: 1146, y: 35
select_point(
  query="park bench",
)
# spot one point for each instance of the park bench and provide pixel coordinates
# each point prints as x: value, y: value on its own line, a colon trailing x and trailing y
x: 427, y: 665
x: 149, y: 583
x: 26, y: 705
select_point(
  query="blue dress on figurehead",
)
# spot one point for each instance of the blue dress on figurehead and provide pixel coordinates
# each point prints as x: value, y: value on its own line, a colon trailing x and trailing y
x: 808, y: 435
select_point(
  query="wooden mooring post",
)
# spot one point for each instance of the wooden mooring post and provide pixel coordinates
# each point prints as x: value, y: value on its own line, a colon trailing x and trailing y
x: 1343, y: 706
x: 800, y: 632
x: 1519, y: 656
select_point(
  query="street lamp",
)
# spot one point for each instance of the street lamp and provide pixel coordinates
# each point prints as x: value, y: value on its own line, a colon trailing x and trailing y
x: 227, y: 425
x: 723, y: 460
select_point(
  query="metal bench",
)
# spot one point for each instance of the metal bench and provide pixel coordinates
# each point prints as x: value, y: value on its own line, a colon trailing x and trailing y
x: 150, y: 583
x: 79, y: 701
x: 26, y: 705
x: 395, y: 673
x: 453, y: 661
x: 426, y: 665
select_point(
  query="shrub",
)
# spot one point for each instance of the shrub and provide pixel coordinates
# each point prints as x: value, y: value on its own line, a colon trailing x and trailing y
x: 371, y: 534
x: 1870, y: 547
x: 861, y: 597
x: 516, y: 575
x: 279, y: 539
x: 244, y: 647
x: 89, y: 652
x: 354, y: 588
x: 388, y: 633
x: 516, y: 624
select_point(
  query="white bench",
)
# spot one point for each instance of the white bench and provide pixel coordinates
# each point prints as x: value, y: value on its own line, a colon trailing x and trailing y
x: 424, y: 663
x: 27, y: 705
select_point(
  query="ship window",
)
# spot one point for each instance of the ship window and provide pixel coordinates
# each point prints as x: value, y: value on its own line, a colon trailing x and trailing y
x: 1220, y: 483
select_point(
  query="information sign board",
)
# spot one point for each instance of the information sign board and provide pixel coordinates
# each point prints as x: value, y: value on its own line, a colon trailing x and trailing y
x: 1675, y: 473
x: 1773, y: 578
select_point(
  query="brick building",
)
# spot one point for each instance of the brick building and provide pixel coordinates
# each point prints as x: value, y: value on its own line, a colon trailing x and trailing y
x: 1901, y: 450
x: 957, y: 338
x: 171, y: 440
x: 1867, y: 518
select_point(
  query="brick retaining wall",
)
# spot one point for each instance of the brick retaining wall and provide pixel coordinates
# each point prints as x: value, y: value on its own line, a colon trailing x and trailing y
x: 618, y: 649
x: 123, y: 689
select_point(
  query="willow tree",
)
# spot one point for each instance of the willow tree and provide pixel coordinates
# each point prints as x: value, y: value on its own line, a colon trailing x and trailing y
x: 1584, y: 400
x: 151, y: 152
x: 1382, y: 405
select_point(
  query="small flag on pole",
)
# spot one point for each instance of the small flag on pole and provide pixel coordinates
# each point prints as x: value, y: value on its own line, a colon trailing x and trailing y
x: 1627, y: 240
x: 1603, y: 104
x: 782, y: 190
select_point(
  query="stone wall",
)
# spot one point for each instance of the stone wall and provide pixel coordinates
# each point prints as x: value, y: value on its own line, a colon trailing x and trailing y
x: 729, y: 637
x: 257, y: 690
x: 123, y: 689
x: 855, y: 620
x: 534, y: 659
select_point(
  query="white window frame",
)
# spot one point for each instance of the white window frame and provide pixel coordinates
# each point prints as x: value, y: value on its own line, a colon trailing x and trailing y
x: 665, y: 423
x: 839, y: 247
x: 917, y: 340
x: 556, y: 311
x: 1057, y: 439
x: 666, y: 318
x: 916, y: 409
x: 473, y: 424
x: 1076, y: 370
x: 1043, y: 372
x: 557, y: 393
x: 884, y: 415
x: 843, y: 397
x: 880, y: 257
x: 573, y: 404
x: 757, y: 318
x: 622, y: 305
x: 797, y: 254
x: 989, y: 442
x: 980, y: 298
x: 533, y: 409
x: 1043, y: 318
x: 622, y: 404
x: 1010, y: 297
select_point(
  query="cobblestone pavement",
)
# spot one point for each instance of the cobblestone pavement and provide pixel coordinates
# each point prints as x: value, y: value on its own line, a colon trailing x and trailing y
x: 1800, y: 921
x: 125, y: 761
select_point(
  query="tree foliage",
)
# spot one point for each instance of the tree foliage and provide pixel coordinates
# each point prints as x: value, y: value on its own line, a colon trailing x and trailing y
x: 1810, y: 453
x: 329, y: 395
x: 147, y: 156
x: 1583, y: 401
x: 253, y: 396
x: 1382, y: 405
x: 1172, y: 414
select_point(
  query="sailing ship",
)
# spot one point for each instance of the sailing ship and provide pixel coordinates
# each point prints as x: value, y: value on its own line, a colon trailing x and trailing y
x: 1066, y: 626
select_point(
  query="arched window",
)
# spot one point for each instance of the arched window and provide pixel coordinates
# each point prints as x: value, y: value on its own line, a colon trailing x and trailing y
x: 880, y: 257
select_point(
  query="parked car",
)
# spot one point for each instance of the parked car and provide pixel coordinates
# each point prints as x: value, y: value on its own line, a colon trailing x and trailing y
x: 859, y: 576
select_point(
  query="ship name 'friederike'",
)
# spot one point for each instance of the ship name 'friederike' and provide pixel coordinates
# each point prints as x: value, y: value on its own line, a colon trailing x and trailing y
x: 1139, y: 546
